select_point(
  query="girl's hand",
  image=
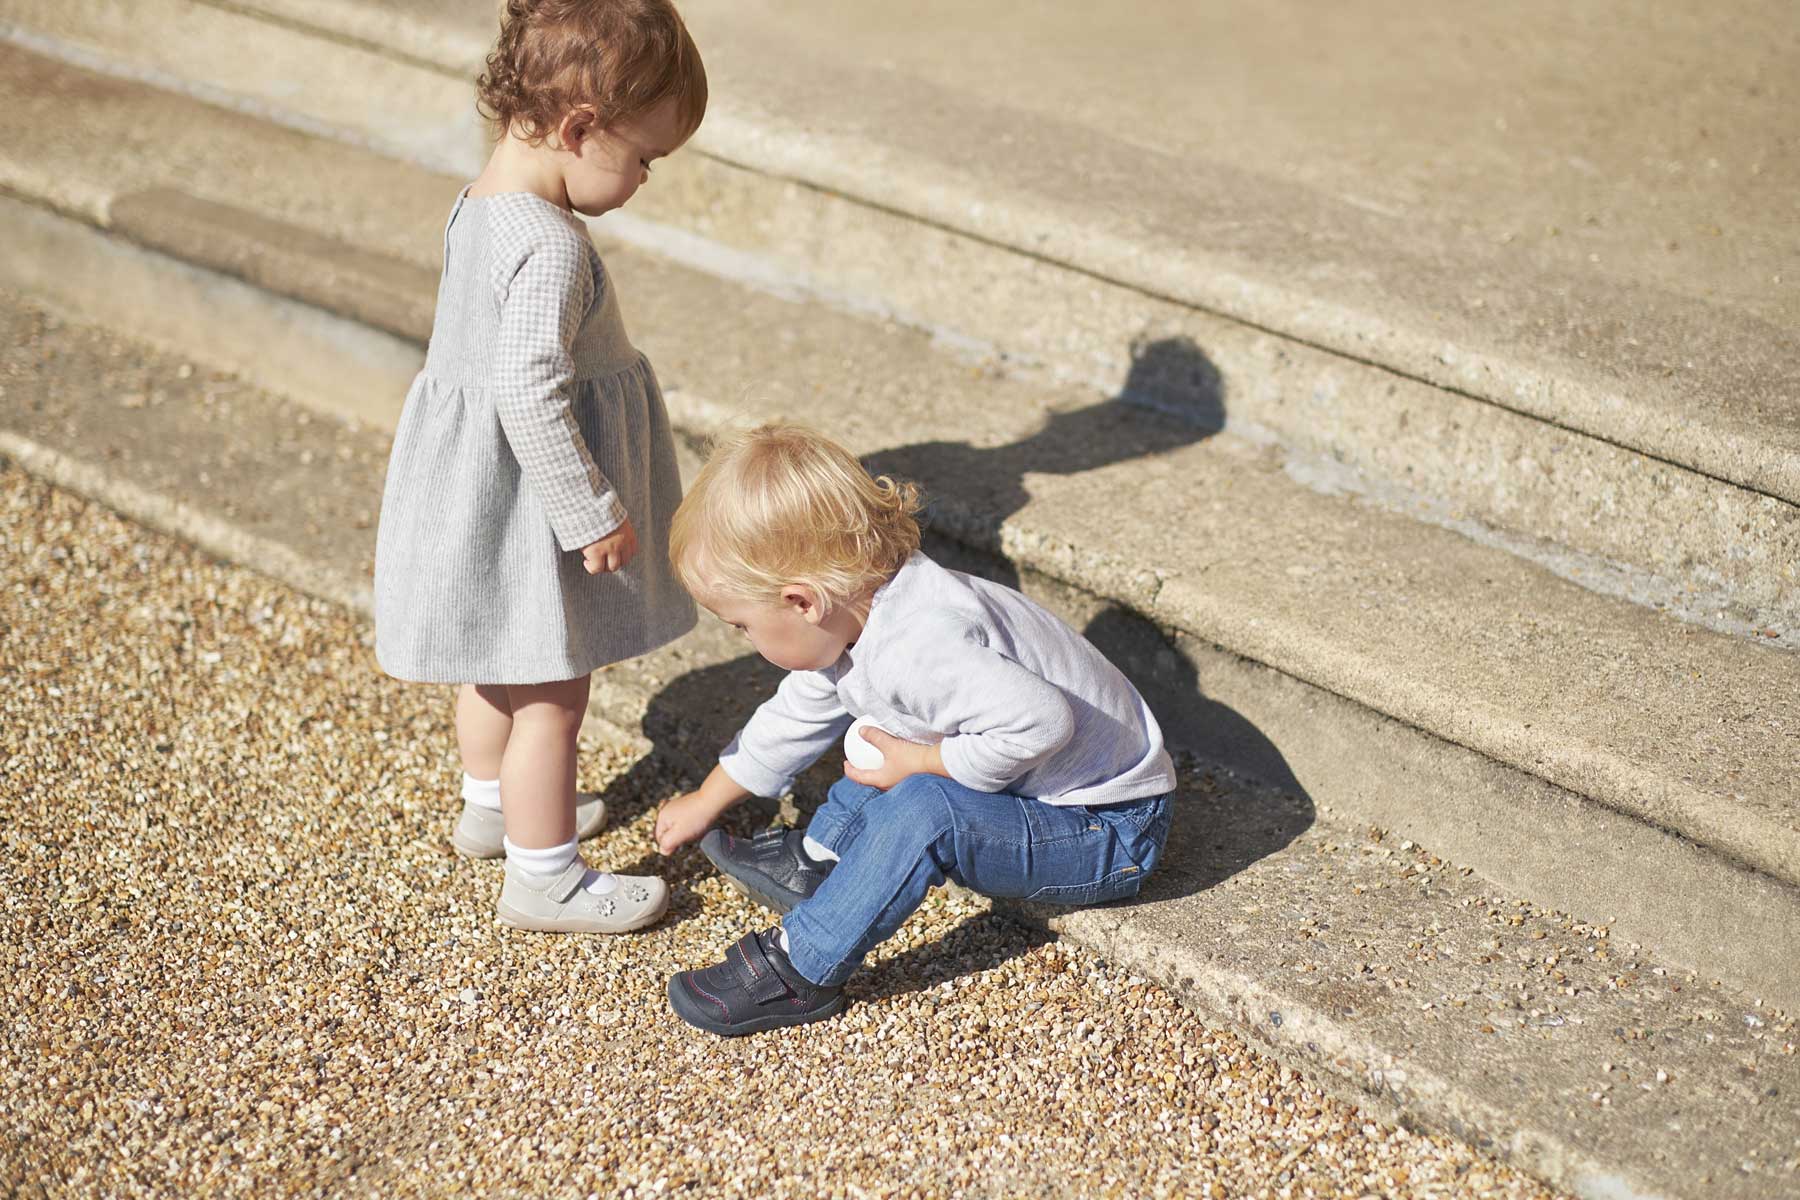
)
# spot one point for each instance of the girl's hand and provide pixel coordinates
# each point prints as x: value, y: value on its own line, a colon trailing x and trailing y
x: 900, y: 758
x: 611, y: 552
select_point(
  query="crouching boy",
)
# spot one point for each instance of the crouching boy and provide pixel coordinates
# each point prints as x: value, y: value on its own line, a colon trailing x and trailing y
x: 1016, y: 759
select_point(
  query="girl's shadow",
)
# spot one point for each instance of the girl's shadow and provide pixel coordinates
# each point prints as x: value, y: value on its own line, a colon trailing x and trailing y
x: 1172, y: 397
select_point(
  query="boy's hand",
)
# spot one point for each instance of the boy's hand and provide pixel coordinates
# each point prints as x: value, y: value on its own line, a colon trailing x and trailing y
x: 682, y: 820
x: 686, y: 817
x: 611, y: 552
x: 900, y: 758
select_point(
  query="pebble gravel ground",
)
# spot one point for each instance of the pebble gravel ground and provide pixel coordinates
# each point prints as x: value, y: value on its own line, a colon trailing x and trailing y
x: 240, y: 958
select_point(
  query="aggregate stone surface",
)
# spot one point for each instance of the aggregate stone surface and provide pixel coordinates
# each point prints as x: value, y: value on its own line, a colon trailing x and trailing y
x: 240, y: 957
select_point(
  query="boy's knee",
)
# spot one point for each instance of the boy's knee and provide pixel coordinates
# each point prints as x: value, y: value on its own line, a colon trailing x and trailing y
x: 849, y: 792
x: 917, y: 803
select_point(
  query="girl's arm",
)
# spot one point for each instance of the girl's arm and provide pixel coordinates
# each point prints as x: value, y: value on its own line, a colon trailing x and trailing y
x: 543, y: 301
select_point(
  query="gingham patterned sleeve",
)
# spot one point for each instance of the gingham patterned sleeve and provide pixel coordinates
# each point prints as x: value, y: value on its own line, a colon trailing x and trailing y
x: 546, y: 288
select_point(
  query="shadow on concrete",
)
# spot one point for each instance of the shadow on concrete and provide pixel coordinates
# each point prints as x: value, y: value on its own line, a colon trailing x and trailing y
x: 1172, y: 397
x: 1213, y: 834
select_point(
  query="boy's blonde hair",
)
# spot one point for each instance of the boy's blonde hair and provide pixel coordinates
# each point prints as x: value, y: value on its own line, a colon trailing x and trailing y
x: 782, y: 504
x: 619, y: 58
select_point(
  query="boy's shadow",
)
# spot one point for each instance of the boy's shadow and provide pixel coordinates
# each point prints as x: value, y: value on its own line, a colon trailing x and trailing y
x: 1173, y: 396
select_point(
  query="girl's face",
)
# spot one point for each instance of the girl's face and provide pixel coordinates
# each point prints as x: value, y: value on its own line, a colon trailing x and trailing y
x: 791, y: 633
x: 605, y: 167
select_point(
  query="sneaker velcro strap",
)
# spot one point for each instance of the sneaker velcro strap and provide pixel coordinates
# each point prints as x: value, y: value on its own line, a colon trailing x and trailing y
x: 756, y: 971
x: 567, y: 883
x: 767, y: 844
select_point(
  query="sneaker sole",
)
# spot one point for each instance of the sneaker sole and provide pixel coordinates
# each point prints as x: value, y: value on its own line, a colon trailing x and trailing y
x: 679, y: 1003
x: 751, y: 884
x: 743, y: 889
x: 512, y: 918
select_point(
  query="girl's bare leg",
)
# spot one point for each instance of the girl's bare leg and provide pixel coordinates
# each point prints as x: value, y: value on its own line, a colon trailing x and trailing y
x: 537, y: 771
x: 484, y: 722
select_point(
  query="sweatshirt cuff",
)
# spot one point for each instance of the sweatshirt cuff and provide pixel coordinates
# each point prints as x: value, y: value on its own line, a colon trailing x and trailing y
x: 578, y: 531
x: 751, y: 775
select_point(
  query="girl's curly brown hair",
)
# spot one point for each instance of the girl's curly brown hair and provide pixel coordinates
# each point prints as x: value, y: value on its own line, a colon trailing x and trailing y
x: 619, y: 58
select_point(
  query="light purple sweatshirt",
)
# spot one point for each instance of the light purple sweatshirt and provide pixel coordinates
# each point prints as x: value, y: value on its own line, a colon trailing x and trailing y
x: 1020, y: 702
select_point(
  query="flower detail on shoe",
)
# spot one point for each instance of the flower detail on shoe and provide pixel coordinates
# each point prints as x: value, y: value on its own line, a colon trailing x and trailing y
x: 564, y: 904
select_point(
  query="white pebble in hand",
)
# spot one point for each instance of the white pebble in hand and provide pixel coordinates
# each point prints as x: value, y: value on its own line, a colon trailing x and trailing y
x: 862, y: 755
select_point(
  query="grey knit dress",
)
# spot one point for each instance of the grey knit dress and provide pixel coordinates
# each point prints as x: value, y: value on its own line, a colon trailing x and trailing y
x: 534, y: 429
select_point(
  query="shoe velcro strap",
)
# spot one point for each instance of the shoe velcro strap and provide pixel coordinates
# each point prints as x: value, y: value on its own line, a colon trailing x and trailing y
x: 567, y: 883
x: 756, y: 972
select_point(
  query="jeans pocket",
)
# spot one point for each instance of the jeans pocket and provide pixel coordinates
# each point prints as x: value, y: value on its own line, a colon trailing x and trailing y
x: 1142, y: 827
x: 1155, y: 837
x: 1120, y: 885
x: 1050, y: 824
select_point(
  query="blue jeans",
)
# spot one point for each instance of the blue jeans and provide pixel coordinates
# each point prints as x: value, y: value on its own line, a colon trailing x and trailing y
x: 895, y: 846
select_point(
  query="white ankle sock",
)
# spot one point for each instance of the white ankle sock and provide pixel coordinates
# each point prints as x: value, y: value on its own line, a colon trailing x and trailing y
x: 817, y: 852
x: 551, y: 861
x: 482, y: 792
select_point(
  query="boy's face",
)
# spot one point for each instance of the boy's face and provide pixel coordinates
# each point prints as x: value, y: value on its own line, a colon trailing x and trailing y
x: 791, y: 633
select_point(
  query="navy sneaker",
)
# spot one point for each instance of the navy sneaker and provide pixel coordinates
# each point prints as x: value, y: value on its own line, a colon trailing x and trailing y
x: 754, y: 989
x: 772, y: 868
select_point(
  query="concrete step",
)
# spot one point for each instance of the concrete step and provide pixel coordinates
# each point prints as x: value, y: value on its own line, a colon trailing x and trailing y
x: 1577, y: 749
x: 1384, y: 970
x: 1439, y: 340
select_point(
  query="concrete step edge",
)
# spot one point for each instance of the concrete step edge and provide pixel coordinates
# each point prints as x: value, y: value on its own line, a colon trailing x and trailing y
x: 1497, y: 813
x: 196, y: 231
x: 217, y: 536
x: 1659, y: 534
x: 1571, y: 396
x: 1554, y: 390
x: 1346, y: 1048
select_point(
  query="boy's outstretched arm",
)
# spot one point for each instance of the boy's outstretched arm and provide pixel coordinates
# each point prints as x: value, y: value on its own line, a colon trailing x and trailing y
x: 787, y: 733
x: 783, y: 737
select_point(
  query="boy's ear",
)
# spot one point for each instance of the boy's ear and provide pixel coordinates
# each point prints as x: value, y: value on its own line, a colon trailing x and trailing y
x: 802, y: 599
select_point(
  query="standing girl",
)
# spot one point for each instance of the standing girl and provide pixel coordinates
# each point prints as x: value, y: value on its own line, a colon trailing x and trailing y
x: 525, y: 522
